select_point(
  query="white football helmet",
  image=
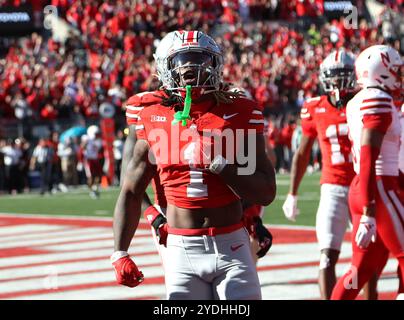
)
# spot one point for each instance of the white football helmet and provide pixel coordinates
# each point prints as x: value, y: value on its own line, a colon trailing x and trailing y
x: 92, y: 131
x: 379, y: 66
x: 337, y: 71
x: 189, y: 57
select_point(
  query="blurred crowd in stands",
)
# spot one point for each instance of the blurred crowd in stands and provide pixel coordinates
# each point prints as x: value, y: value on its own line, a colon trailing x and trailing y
x: 52, y: 165
x: 272, y: 49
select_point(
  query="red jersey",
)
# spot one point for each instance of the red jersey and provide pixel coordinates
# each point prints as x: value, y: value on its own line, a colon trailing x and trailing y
x: 321, y: 119
x: 186, y: 183
x: 133, y: 106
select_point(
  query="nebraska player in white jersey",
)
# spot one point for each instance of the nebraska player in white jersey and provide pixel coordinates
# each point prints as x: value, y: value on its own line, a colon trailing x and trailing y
x: 375, y: 200
x: 324, y: 118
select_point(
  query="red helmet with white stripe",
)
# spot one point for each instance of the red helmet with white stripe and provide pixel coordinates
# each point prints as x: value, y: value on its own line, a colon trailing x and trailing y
x: 189, y: 58
x: 380, y: 66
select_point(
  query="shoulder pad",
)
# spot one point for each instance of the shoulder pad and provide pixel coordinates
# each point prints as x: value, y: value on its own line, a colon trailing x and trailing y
x: 374, y: 93
x: 314, y: 101
x: 145, y: 99
x: 246, y: 103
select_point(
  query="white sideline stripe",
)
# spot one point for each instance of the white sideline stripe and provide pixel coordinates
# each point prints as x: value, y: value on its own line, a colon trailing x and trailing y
x: 105, y: 293
x: 46, y: 242
x: 91, y: 245
x: 56, y: 257
x: 54, y: 240
x: 102, y: 263
x: 55, y: 217
x: 297, y: 253
x: 294, y: 227
x: 27, y: 228
x: 70, y: 280
x: 310, y: 291
x: 68, y: 232
x: 279, y: 254
x: 269, y: 279
x: 283, y: 276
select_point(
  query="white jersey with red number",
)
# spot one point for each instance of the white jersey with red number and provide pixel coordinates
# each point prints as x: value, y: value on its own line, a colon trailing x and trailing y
x: 319, y: 118
x: 92, y: 149
x: 374, y: 101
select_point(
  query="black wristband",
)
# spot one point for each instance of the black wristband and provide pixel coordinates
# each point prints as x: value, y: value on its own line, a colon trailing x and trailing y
x: 160, y: 219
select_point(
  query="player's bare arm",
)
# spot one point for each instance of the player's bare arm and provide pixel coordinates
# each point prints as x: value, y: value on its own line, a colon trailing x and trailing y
x: 259, y: 187
x: 299, y: 163
x: 128, y: 148
x: 128, y: 207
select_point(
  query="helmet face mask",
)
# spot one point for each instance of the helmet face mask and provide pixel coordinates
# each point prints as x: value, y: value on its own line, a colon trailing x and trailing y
x: 191, y: 68
x: 189, y: 58
x: 342, y: 79
x: 337, y: 73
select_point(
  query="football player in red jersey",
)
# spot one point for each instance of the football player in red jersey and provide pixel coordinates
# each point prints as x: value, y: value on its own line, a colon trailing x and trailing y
x: 207, y: 244
x: 154, y: 212
x: 324, y: 118
x: 375, y: 199
x: 260, y: 237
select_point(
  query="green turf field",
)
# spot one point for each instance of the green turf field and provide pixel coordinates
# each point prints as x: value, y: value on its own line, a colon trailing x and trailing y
x: 78, y: 202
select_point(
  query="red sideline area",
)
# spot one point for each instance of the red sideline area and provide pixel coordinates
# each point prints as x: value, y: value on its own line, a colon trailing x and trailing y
x: 281, y: 234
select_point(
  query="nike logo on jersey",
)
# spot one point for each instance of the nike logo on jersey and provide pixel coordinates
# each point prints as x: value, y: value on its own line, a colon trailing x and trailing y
x: 225, y: 116
x: 234, y: 248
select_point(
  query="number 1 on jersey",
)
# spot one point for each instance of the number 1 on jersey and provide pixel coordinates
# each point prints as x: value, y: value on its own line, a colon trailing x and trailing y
x: 332, y: 133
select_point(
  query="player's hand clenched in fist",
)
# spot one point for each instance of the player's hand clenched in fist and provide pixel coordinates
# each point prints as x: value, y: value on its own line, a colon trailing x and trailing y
x: 126, y: 271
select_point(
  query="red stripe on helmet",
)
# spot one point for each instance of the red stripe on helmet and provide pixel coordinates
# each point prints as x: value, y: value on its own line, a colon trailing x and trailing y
x: 190, y: 37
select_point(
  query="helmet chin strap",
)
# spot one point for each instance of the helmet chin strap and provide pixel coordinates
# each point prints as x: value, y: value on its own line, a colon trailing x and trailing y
x: 338, y: 101
x: 335, y: 98
x: 183, y: 115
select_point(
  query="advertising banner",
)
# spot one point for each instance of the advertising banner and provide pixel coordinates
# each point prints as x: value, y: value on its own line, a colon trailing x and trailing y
x: 15, y: 21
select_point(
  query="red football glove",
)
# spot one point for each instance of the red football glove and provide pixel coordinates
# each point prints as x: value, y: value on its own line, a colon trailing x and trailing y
x: 159, y: 222
x: 126, y: 271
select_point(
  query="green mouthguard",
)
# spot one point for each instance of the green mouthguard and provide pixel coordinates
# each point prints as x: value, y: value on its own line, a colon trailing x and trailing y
x: 183, y: 115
